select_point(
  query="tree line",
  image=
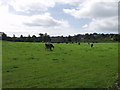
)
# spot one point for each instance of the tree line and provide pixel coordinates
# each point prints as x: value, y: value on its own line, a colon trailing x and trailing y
x: 93, y: 37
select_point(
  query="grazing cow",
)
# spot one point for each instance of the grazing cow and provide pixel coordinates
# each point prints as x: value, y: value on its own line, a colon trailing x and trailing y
x: 49, y: 46
x: 91, y: 45
x: 79, y: 43
x: 66, y: 42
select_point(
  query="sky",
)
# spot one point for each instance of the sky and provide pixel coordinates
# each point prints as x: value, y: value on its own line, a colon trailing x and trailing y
x: 58, y: 17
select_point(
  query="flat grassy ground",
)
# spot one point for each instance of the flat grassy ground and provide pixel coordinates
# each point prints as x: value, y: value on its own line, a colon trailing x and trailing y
x: 29, y: 65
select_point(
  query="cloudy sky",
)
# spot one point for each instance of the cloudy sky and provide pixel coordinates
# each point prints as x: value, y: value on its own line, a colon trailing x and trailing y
x: 58, y: 17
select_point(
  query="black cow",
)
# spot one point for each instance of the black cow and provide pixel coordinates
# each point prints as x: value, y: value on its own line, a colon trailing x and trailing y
x: 66, y: 42
x: 79, y: 43
x: 49, y: 46
x: 91, y: 45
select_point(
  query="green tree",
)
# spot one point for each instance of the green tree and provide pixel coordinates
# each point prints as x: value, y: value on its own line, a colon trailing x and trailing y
x: 4, y: 36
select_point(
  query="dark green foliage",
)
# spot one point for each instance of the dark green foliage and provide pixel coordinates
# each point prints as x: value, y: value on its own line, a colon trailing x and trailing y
x: 4, y: 36
x: 61, y: 39
x: 117, y: 37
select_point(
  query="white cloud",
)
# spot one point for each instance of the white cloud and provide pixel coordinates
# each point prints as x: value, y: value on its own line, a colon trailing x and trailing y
x: 103, y: 16
x: 27, y: 6
x: 103, y: 25
x: 30, y: 5
x: 85, y: 26
x: 19, y: 24
x: 93, y: 10
x: 45, y: 20
x: 102, y: 13
x: 70, y: 2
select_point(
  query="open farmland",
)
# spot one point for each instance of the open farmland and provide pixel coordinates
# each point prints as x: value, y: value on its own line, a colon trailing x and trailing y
x: 29, y: 65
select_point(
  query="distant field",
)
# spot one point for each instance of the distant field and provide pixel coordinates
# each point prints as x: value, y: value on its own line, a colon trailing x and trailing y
x: 29, y: 65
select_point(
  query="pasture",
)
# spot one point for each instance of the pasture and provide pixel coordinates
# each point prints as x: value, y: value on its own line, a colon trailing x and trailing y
x: 29, y: 65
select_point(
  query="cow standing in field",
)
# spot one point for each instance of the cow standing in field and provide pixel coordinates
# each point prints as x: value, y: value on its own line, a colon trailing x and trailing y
x: 91, y: 45
x: 49, y: 46
x: 66, y: 42
x: 79, y: 43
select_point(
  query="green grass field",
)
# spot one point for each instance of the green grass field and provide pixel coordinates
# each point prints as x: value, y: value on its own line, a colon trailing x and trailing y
x: 29, y: 65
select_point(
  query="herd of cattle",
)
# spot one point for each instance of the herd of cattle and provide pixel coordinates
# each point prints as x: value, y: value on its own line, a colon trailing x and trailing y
x: 51, y: 47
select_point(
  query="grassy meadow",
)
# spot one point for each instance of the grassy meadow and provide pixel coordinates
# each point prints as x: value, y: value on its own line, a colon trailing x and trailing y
x: 29, y: 65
